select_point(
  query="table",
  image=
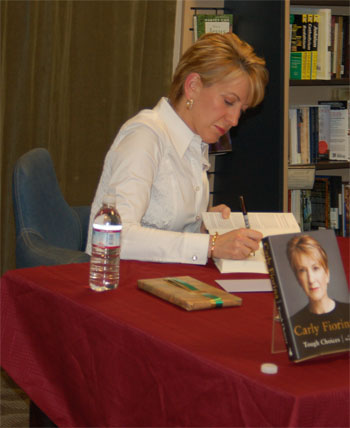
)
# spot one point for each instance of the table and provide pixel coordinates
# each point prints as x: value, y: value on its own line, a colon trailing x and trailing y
x: 127, y: 358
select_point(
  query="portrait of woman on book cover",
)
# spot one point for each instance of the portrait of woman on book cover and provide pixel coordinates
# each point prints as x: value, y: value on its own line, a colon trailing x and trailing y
x: 309, y: 262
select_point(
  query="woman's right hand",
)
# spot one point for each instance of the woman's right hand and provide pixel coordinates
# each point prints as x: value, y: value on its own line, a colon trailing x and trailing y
x: 236, y: 244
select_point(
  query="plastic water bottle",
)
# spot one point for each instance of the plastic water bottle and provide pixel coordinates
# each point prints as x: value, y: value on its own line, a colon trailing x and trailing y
x: 105, y: 252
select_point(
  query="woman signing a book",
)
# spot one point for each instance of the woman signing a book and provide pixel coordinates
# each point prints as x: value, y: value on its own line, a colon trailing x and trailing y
x: 157, y: 165
x: 309, y: 262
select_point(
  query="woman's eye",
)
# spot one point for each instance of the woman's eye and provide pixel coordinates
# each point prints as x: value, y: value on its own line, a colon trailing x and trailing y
x: 229, y: 103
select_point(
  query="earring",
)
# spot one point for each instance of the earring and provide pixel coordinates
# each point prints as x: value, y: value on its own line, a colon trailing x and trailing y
x: 189, y: 104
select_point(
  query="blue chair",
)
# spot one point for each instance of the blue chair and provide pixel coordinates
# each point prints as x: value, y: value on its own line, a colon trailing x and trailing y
x: 48, y: 230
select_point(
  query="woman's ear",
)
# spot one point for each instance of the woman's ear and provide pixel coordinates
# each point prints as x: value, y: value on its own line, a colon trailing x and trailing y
x: 193, y: 85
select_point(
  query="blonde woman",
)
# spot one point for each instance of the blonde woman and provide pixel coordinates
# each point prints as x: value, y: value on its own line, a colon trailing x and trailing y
x: 309, y: 262
x: 158, y: 163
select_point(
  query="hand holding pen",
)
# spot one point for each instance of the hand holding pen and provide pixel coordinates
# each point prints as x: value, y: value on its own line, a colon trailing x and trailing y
x: 236, y: 244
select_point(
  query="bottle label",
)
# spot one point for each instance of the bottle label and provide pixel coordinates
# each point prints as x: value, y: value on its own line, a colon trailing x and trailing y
x: 102, y: 238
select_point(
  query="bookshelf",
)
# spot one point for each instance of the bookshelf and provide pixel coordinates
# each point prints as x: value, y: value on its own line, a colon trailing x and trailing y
x: 333, y: 82
x: 311, y: 91
x: 258, y: 164
x: 256, y: 167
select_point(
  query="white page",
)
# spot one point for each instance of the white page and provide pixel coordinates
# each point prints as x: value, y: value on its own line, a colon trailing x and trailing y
x: 245, y: 285
x: 266, y: 223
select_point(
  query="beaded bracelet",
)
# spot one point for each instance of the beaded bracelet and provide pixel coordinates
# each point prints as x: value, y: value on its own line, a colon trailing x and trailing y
x: 212, y: 243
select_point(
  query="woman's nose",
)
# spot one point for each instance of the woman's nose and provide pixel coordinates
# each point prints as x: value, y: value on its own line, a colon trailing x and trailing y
x: 233, y: 116
x: 310, y: 276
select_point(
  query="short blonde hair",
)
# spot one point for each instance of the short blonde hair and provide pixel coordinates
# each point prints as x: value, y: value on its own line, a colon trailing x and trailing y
x: 217, y: 56
x: 306, y: 244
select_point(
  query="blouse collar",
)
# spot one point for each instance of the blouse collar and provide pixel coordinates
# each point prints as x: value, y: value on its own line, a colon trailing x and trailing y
x: 180, y: 134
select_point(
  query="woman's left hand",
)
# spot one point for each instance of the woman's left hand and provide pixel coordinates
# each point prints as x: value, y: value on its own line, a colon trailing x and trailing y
x: 223, y: 209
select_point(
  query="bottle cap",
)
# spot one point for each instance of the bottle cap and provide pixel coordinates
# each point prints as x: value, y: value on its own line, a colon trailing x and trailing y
x: 109, y: 196
x: 269, y: 368
x: 109, y: 199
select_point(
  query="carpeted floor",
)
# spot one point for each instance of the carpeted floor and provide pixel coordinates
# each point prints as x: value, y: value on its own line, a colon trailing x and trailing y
x: 14, y: 404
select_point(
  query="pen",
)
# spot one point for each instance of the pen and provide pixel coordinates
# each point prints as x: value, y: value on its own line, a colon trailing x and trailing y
x: 244, y: 212
x: 245, y: 216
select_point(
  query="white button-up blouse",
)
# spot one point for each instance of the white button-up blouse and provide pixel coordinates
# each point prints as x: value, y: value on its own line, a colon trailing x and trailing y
x: 158, y: 168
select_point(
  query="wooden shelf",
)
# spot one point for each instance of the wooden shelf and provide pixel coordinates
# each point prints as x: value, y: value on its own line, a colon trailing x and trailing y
x: 326, y: 3
x: 332, y: 82
x: 332, y: 165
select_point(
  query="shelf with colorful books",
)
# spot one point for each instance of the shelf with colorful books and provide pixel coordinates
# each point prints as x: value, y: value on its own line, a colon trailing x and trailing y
x: 319, y: 42
x: 318, y: 137
x: 324, y: 205
x: 319, y: 132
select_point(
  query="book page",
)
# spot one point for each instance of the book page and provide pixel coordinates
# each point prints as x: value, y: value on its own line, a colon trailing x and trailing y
x: 266, y: 223
x: 215, y: 222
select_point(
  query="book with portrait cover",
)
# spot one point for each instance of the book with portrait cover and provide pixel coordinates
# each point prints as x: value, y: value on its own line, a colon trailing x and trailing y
x: 311, y: 292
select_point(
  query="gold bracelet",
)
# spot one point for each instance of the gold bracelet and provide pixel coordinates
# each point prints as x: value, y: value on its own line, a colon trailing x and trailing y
x: 212, y: 243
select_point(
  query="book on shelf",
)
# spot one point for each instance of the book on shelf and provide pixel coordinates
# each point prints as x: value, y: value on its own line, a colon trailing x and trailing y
x: 314, y: 44
x: 320, y: 204
x: 323, y: 206
x: 339, y: 129
x: 324, y: 44
x: 266, y: 223
x: 298, y: 46
x: 309, y: 133
x: 311, y: 46
x: 340, y: 46
x: 299, y: 203
x: 324, y: 132
x: 335, y: 202
x: 323, y: 39
x: 346, y: 47
x: 339, y: 54
x: 311, y: 293
x: 304, y: 41
x: 189, y: 293
x: 304, y: 123
x: 306, y: 207
x: 208, y: 23
x: 294, y: 137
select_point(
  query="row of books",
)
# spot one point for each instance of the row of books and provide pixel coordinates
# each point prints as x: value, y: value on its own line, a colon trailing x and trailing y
x: 319, y: 44
x: 319, y: 132
x: 325, y: 206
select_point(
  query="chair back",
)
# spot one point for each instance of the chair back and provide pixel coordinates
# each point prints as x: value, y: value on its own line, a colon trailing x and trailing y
x: 41, y: 211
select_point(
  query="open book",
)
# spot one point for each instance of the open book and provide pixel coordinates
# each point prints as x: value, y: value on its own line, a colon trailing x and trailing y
x: 266, y: 223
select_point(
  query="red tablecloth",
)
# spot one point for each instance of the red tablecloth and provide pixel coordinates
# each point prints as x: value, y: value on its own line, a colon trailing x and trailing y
x: 127, y: 358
